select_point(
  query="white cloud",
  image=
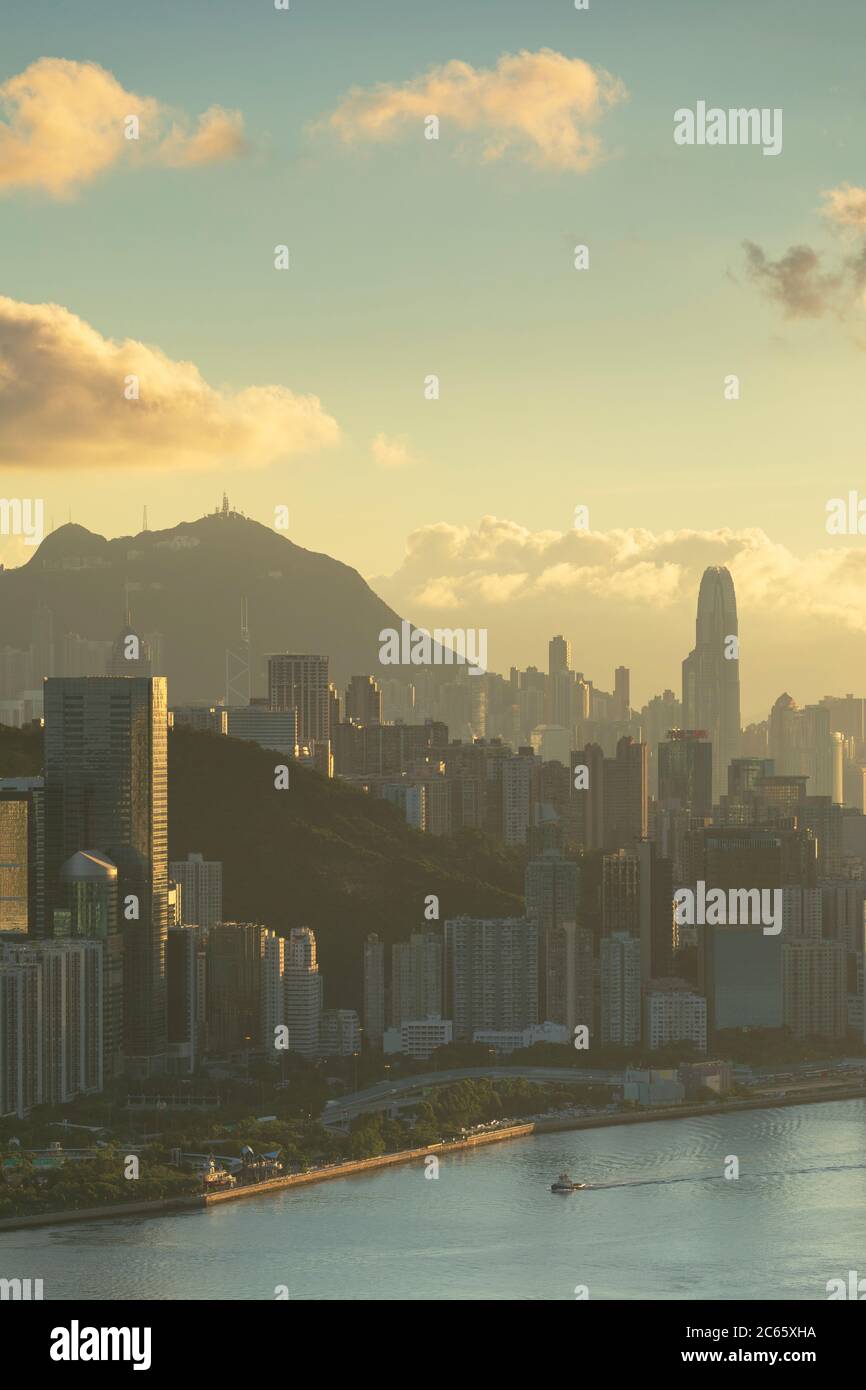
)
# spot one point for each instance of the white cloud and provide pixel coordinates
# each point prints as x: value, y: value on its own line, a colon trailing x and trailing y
x: 540, y: 107
x: 65, y: 124
x: 846, y: 206
x: 391, y: 453
x: 63, y: 402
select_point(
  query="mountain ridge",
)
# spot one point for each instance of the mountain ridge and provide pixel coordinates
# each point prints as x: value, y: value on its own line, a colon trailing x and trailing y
x: 186, y: 583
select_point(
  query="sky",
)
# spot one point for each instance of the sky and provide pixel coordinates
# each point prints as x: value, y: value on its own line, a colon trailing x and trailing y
x: 454, y: 257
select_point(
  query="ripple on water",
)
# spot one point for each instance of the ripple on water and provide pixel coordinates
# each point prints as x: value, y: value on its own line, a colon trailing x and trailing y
x: 668, y: 1226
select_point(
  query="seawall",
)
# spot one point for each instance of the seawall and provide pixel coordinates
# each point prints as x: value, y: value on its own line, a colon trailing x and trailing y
x: 170, y: 1206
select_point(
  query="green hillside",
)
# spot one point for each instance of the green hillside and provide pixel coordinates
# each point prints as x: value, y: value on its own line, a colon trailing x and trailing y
x: 320, y: 854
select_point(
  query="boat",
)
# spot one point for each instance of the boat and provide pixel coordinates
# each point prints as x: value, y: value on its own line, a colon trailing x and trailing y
x: 564, y: 1184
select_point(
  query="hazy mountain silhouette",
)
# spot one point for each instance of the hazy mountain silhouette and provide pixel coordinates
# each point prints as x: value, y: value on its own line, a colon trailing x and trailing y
x: 187, y: 584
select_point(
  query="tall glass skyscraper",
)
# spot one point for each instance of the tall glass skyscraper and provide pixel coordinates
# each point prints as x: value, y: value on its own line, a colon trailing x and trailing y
x: 711, y: 673
x: 106, y: 791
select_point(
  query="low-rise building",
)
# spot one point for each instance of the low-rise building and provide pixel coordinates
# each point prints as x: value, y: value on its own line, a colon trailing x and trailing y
x: 505, y: 1042
x: 418, y: 1037
x: 674, y: 1013
x: 652, y: 1087
x: 339, y: 1033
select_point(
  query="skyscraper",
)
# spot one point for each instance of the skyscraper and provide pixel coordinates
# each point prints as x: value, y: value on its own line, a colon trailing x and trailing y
x: 743, y: 776
x: 620, y: 989
x: 739, y: 966
x: 804, y: 741
x: 552, y: 890
x: 22, y: 862
x: 656, y: 910
x: 558, y: 655
x: 374, y: 991
x: 273, y: 1018
x: 363, y: 701
x: 236, y: 977
x: 516, y: 784
x: 625, y: 795
x: 559, y: 701
x: 106, y: 790
x: 42, y: 645
x: 301, y: 682
x: 621, y: 692
x: 686, y: 770
x: 90, y: 882
x: 303, y: 991
x: 621, y: 894
x: 711, y: 672
x: 611, y: 798
x: 186, y: 958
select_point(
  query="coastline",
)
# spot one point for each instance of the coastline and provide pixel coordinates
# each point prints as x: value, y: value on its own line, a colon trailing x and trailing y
x: 171, y: 1206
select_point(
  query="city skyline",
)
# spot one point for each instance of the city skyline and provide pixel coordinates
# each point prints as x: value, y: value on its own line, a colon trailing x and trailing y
x: 770, y: 649
x: 433, y: 662
x: 619, y: 351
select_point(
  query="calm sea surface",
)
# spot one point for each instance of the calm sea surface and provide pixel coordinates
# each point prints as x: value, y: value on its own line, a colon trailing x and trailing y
x: 664, y: 1224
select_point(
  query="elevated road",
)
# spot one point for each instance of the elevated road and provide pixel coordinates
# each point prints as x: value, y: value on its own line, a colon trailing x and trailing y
x: 411, y: 1089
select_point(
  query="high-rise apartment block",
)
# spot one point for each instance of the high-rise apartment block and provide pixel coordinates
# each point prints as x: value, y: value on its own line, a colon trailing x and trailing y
x: 303, y: 985
x: 201, y: 883
x: 186, y: 957
x: 491, y: 974
x: 814, y: 988
x: 374, y: 991
x: 620, y: 989
x: 416, y: 977
x: 552, y: 892
x: 50, y: 1022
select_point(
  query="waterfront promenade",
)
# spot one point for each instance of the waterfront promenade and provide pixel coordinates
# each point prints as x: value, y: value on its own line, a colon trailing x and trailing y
x: 356, y: 1167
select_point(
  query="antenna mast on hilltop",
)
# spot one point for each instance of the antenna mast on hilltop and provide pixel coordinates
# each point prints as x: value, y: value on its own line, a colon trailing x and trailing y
x: 225, y: 509
x: 238, y: 686
x: 144, y: 525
